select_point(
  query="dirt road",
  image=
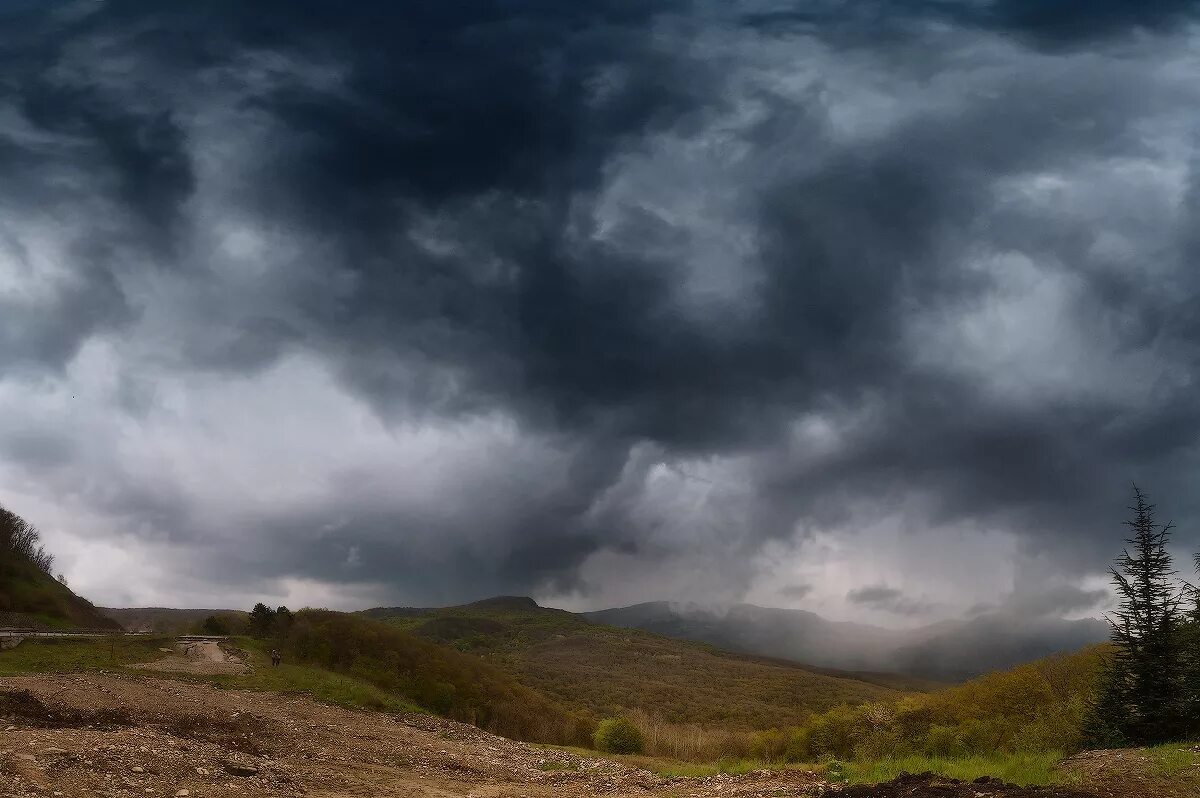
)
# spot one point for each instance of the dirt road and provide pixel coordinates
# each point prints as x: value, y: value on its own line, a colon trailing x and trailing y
x: 200, y: 657
x: 132, y: 734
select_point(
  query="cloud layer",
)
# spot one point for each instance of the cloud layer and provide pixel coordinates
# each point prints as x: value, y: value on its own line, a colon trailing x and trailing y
x: 599, y: 301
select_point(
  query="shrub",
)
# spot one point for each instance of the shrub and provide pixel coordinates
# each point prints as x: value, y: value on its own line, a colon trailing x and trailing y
x: 618, y: 736
x: 943, y: 741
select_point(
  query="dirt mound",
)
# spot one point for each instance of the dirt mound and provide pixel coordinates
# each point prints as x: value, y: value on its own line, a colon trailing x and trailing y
x: 927, y: 785
x: 24, y: 707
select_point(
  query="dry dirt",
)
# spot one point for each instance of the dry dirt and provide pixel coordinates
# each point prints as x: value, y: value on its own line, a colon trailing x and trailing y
x: 134, y: 734
x: 202, y: 658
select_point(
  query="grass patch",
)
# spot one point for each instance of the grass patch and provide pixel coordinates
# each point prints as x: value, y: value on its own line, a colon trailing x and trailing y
x: 1026, y: 770
x: 69, y: 655
x: 1173, y: 761
x: 322, y: 685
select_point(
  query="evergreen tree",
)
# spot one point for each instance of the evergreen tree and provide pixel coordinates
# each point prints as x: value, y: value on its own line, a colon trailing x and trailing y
x: 1144, y: 693
x: 262, y: 619
x: 1190, y: 640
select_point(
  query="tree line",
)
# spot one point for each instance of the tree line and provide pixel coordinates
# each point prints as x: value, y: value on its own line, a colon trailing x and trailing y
x: 20, y: 541
x: 1150, y: 691
x: 261, y: 622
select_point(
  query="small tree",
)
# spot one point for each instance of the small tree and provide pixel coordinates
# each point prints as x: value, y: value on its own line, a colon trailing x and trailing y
x: 1142, y: 694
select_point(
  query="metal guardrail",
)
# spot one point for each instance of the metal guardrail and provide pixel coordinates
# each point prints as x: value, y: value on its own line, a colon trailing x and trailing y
x: 200, y: 638
x: 15, y: 632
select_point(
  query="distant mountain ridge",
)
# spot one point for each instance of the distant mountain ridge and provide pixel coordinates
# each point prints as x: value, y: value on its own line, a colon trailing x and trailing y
x: 946, y: 651
x: 602, y: 670
x: 164, y: 620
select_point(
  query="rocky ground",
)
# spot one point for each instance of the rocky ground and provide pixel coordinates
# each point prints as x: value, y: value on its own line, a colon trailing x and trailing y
x: 133, y: 734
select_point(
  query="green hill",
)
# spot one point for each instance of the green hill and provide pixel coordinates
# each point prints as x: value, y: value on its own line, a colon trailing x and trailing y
x: 603, y: 670
x: 29, y: 595
x: 435, y: 677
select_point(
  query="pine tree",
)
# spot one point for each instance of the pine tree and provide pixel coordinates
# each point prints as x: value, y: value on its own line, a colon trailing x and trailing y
x: 1190, y: 640
x: 1144, y: 686
x: 262, y: 618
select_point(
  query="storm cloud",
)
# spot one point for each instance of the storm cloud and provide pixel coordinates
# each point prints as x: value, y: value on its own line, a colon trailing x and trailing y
x: 602, y: 302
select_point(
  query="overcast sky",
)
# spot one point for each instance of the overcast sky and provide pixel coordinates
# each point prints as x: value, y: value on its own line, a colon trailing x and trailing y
x: 869, y: 308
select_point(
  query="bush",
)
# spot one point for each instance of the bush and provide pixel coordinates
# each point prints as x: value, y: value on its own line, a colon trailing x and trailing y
x: 618, y: 736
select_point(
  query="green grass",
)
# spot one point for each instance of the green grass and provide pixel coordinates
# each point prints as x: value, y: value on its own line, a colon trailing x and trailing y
x: 1170, y: 761
x: 68, y: 655
x: 1026, y: 769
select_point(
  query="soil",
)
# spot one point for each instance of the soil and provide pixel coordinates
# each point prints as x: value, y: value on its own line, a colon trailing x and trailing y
x: 133, y: 733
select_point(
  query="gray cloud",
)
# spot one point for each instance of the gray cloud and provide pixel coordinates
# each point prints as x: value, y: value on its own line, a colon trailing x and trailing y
x: 797, y: 591
x: 887, y: 599
x: 556, y: 298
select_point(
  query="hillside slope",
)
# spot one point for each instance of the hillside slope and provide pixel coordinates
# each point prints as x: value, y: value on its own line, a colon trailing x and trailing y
x: 30, y: 597
x: 603, y: 670
x: 948, y: 651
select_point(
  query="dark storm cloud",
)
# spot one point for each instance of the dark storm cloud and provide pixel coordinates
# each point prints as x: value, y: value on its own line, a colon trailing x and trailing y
x: 1057, y: 23
x: 887, y: 599
x: 1060, y: 600
x: 795, y: 591
x: 448, y: 176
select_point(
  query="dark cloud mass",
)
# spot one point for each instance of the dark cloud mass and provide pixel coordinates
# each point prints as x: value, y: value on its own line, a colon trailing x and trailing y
x: 427, y: 301
x: 887, y: 599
